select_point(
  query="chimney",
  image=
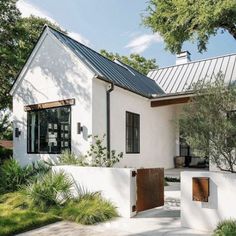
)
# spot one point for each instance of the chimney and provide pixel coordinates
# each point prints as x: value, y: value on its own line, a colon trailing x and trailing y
x: 183, y: 57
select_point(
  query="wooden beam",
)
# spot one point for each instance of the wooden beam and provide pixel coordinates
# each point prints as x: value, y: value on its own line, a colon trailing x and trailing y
x: 46, y: 105
x: 167, y: 102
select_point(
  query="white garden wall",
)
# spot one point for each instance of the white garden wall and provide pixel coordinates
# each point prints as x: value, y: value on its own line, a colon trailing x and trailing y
x: 115, y: 184
x: 157, y: 127
x: 221, y: 204
x: 53, y: 73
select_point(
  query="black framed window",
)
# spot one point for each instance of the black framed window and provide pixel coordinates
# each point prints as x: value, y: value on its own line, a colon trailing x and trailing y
x: 132, y: 132
x: 49, y: 130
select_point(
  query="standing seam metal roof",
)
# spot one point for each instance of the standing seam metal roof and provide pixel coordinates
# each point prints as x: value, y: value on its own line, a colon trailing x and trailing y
x: 180, y: 78
x: 113, y: 72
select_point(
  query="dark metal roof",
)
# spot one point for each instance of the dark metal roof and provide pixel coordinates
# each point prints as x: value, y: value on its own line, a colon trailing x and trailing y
x: 122, y: 76
x: 179, y: 78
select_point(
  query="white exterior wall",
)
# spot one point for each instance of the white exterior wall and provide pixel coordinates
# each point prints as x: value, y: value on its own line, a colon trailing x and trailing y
x: 54, y: 74
x: 220, y: 206
x: 157, y: 127
x: 115, y: 184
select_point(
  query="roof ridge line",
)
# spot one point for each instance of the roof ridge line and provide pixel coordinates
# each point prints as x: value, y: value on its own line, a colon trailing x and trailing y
x: 200, y: 60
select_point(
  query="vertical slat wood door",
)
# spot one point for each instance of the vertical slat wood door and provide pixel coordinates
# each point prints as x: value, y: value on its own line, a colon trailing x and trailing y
x: 150, y: 188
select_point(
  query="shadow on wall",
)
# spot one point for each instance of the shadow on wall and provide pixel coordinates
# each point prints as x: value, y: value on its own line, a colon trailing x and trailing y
x: 60, y: 66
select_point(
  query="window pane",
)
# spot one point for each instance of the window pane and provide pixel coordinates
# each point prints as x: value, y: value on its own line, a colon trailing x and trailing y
x: 132, y: 132
x: 54, y: 132
x: 32, y: 132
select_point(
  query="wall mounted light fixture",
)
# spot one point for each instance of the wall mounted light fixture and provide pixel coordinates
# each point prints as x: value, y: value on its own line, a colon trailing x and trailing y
x: 79, y: 128
x: 17, y: 132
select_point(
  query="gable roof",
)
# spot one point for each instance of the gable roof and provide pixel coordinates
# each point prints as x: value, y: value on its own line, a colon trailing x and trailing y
x: 122, y: 76
x: 179, y: 78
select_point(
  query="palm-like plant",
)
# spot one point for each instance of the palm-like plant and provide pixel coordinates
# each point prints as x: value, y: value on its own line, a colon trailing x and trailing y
x: 52, y: 189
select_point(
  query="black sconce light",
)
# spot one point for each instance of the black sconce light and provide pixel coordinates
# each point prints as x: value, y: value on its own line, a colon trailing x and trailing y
x: 17, y: 132
x: 79, y: 128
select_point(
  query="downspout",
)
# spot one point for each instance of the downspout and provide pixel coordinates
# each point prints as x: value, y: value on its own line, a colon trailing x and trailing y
x: 108, y: 92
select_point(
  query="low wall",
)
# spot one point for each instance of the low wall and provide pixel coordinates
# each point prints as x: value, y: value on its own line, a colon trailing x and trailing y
x: 115, y: 184
x: 221, y: 203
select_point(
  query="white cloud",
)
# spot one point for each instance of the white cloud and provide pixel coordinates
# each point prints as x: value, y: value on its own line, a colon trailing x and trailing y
x: 142, y: 42
x: 27, y: 9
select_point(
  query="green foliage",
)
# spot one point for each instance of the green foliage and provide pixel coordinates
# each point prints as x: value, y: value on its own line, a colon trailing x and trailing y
x: 209, y: 125
x: 5, y: 126
x: 89, y: 209
x: 226, y: 228
x: 136, y: 61
x: 5, y: 154
x: 13, y: 176
x: 17, y: 39
x: 178, y: 21
x: 52, y: 189
x: 69, y: 158
x: 16, y: 216
x: 98, y: 155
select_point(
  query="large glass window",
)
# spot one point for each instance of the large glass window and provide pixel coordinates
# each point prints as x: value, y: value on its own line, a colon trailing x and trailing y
x: 49, y: 130
x: 132, y: 133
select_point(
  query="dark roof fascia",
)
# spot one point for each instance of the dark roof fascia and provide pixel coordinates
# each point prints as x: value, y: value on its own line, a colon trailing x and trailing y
x: 110, y: 82
x: 28, y: 57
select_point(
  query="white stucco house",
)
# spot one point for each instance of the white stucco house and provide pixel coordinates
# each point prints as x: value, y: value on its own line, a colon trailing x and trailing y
x: 67, y: 91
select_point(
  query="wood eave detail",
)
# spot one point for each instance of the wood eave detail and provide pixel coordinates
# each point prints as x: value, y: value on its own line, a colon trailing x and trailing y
x: 170, y: 101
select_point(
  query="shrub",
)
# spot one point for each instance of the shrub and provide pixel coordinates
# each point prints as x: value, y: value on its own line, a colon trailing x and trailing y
x: 226, y: 228
x: 52, y: 189
x: 97, y: 153
x: 89, y: 209
x: 13, y: 176
x: 5, y: 154
x: 69, y: 158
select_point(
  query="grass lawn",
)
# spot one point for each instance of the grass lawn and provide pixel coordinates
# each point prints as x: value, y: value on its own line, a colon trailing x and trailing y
x: 16, y: 216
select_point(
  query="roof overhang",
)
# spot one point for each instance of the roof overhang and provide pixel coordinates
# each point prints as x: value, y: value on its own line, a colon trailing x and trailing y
x: 171, y: 99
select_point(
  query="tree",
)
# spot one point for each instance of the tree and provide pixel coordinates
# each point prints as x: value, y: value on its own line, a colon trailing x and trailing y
x: 209, y: 123
x: 136, y: 61
x: 6, y: 131
x: 9, y: 16
x: 17, y: 38
x: 181, y: 20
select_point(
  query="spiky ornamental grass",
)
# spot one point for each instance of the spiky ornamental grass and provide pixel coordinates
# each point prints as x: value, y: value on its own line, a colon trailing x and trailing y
x: 226, y: 228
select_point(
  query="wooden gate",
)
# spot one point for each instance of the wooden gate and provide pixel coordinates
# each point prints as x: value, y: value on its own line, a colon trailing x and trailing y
x: 150, y: 188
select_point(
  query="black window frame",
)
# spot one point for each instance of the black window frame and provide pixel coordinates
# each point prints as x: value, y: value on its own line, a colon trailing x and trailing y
x: 133, y: 151
x: 38, y: 138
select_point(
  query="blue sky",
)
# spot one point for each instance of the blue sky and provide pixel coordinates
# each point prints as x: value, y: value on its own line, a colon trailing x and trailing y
x: 115, y: 25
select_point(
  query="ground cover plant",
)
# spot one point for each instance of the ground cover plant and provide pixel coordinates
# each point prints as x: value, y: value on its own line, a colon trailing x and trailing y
x: 38, y: 196
x: 16, y: 216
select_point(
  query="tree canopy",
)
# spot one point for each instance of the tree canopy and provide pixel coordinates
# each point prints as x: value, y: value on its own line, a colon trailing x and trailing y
x: 208, y: 123
x: 178, y: 21
x: 136, y: 61
x: 18, y: 36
